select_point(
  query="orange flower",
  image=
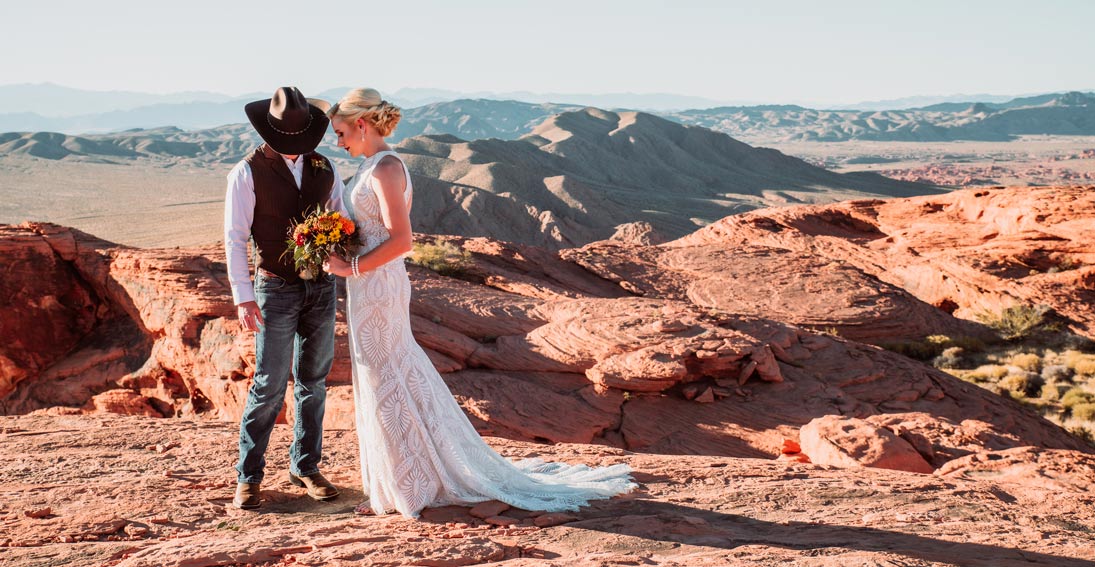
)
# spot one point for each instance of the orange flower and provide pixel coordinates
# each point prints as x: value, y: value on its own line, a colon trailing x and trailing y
x: 347, y: 226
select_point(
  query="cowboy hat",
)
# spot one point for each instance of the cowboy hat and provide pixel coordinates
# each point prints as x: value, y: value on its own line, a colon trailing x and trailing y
x: 288, y: 122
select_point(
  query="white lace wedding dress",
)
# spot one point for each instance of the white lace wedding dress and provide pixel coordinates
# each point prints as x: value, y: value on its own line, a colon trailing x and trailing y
x: 418, y: 449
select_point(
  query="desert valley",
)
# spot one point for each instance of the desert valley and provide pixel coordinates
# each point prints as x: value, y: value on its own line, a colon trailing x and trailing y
x: 820, y: 337
x: 164, y: 186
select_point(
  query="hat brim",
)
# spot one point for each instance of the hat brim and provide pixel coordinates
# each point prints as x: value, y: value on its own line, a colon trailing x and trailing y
x: 290, y: 144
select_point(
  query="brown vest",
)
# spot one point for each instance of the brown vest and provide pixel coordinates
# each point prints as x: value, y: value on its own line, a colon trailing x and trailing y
x: 279, y: 205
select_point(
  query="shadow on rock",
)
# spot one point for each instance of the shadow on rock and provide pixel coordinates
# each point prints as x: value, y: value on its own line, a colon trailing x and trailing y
x: 674, y: 523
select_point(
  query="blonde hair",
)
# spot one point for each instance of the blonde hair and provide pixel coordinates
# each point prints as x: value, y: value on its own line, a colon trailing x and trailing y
x: 367, y: 104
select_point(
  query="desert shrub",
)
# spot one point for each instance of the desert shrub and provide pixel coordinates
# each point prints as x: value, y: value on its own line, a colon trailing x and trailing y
x: 950, y: 358
x: 1075, y: 397
x: 988, y: 373
x: 1022, y: 383
x: 445, y: 258
x: 1027, y: 361
x: 1050, y: 392
x: 1085, y: 367
x: 1080, y: 363
x: 1016, y: 322
x: 1056, y: 373
x: 1085, y: 412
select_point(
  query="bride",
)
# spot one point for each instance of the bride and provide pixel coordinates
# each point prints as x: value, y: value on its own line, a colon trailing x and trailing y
x: 417, y: 447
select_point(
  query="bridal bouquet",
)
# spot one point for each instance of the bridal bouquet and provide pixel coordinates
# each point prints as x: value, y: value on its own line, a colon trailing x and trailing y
x: 319, y: 235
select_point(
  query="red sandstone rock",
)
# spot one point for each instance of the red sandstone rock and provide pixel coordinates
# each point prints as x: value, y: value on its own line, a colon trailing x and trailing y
x: 503, y: 521
x: 553, y: 519
x: 488, y: 509
x: 976, y: 249
x: 764, y: 277
x: 528, y: 406
x: 39, y: 512
x: 48, y: 308
x: 849, y: 442
x: 790, y: 513
x: 124, y: 402
x: 1030, y: 467
x: 541, y: 334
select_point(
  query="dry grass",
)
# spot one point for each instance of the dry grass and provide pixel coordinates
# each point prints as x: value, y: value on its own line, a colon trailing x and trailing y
x: 1022, y: 384
x: 1084, y: 412
x: 1080, y: 363
x: 1076, y: 397
x: 445, y: 258
x: 1053, y: 373
x: 988, y: 373
x: 1027, y: 361
x: 1017, y: 322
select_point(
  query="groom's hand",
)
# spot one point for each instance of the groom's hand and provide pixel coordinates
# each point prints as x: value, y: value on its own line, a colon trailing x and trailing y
x: 250, y: 316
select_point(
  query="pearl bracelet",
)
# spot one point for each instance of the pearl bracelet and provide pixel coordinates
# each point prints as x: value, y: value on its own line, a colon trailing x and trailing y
x: 353, y: 266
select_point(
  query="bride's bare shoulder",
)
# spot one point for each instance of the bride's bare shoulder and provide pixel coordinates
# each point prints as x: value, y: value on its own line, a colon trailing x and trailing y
x: 389, y: 163
x: 389, y: 170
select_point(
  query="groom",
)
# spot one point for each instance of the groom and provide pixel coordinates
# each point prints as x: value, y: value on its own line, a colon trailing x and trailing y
x: 268, y: 192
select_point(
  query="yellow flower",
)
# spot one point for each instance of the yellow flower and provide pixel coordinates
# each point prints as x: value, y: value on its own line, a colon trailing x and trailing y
x: 334, y: 215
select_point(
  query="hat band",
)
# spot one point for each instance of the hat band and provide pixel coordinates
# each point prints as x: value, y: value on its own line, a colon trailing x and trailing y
x: 280, y: 131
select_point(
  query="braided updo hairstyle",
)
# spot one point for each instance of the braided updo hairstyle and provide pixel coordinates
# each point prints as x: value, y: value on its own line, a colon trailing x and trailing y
x: 367, y: 104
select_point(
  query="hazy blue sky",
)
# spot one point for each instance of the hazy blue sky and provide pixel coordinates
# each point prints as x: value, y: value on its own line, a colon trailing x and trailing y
x: 770, y: 51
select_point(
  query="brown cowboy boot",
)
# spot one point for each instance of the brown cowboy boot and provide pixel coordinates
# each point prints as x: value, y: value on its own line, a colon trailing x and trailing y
x: 247, y: 496
x: 318, y: 487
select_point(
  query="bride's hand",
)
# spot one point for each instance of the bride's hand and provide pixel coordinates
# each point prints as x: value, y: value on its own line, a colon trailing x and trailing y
x: 337, y: 266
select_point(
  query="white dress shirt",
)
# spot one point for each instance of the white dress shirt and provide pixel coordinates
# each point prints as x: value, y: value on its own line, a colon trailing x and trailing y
x: 239, y: 213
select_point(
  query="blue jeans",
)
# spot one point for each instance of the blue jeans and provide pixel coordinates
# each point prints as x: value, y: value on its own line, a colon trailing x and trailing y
x: 299, y: 333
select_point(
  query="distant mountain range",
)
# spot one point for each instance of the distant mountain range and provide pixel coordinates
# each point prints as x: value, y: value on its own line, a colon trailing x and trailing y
x: 55, y: 108
x: 1070, y: 113
x: 572, y: 178
x: 48, y: 100
x: 910, y: 102
x: 476, y: 119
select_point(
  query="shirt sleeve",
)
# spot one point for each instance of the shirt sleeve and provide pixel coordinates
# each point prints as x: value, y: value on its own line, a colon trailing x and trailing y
x: 335, y: 202
x: 239, y: 212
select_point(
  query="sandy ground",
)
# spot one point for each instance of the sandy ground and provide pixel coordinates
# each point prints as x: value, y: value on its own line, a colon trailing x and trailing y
x: 1030, y: 160
x: 148, y: 204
